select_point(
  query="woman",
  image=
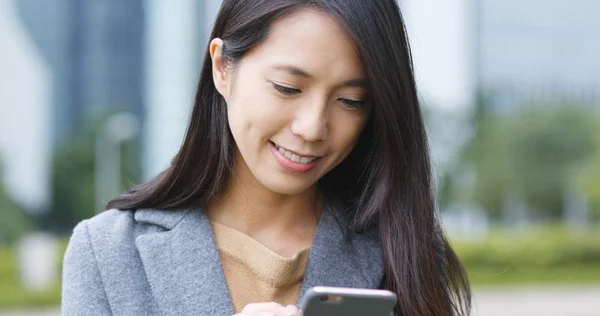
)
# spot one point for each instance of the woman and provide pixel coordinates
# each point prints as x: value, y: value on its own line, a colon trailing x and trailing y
x: 305, y: 163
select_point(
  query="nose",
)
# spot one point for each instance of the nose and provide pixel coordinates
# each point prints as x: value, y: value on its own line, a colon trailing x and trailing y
x: 311, y: 122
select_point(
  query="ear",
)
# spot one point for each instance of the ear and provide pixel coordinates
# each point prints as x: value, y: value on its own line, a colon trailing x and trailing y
x: 219, y: 74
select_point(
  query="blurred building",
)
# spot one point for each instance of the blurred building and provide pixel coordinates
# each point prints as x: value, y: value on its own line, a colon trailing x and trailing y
x: 439, y: 35
x: 177, y: 34
x: 25, y: 124
x: 68, y: 58
x: 537, y: 51
x: 95, y: 52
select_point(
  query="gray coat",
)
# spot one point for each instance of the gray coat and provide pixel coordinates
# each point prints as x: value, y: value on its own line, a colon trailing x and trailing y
x: 157, y: 262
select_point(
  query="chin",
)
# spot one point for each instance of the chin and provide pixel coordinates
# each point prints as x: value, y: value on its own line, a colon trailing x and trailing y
x: 286, y: 186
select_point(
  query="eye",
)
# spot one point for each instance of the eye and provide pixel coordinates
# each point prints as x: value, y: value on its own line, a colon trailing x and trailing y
x: 353, y: 104
x: 285, y: 90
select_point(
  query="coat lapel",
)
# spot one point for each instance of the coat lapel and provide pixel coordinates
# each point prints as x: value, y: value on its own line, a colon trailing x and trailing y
x: 184, y: 270
x: 341, y: 258
x: 182, y: 263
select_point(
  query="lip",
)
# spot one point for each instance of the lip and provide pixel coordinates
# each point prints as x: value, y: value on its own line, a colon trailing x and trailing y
x: 294, y: 152
x: 292, y: 166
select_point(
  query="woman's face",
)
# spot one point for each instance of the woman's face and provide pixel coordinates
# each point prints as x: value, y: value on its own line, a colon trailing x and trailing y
x: 295, y: 102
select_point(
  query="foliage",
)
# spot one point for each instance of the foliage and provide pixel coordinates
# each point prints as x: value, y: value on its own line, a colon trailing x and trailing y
x: 574, y: 274
x: 15, y: 221
x: 12, y: 293
x: 73, y: 178
x: 551, y: 254
x: 534, y: 155
x: 590, y: 175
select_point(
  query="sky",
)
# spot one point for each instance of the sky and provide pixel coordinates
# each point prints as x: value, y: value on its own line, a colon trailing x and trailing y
x: 438, y: 32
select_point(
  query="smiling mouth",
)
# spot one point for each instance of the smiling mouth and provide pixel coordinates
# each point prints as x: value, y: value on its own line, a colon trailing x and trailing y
x: 294, y: 156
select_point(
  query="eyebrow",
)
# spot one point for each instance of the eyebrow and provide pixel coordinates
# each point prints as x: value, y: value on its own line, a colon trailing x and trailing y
x: 293, y: 70
x: 296, y: 71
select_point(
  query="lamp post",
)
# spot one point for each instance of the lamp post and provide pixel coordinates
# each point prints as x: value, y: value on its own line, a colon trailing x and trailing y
x: 116, y: 129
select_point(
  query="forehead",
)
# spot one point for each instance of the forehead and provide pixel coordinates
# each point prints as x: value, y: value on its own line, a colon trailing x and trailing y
x: 312, y: 40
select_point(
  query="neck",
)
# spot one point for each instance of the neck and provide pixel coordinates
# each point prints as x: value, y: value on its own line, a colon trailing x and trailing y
x: 251, y: 208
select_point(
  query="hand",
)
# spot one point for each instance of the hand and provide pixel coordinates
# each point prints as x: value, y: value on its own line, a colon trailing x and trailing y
x: 269, y: 309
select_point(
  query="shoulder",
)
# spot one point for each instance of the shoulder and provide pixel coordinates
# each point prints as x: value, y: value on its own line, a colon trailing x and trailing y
x: 102, y: 263
x: 107, y: 242
x: 115, y: 222
x: 116, y: 230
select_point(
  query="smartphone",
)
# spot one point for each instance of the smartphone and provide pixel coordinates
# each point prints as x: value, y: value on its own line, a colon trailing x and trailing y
x: 336, y: 301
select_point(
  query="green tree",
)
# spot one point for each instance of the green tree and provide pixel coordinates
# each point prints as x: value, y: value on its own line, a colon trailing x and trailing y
x: 15, y: 221
x: 590, y: 175
x: 534, y: 155
x: 73, y: 178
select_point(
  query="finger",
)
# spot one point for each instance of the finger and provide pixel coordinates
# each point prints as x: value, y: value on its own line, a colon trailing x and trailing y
x: 291, y: 310
x: 257, y: 308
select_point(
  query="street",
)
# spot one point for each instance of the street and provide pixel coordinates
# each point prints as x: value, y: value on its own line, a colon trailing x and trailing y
x: 538, y: 301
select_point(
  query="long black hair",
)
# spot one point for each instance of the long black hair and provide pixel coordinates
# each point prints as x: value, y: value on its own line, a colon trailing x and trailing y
x: 386, y: 180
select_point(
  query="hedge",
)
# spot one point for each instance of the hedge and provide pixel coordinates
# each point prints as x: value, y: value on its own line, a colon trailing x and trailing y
x: 13, y: 294
x: 540, y: 255
x: 552, y: 254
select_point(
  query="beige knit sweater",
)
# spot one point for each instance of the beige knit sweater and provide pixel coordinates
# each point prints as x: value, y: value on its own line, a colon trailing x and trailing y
x: 255, y: 273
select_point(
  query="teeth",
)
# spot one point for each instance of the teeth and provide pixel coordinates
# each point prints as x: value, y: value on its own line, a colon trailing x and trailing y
x: 294, y: 157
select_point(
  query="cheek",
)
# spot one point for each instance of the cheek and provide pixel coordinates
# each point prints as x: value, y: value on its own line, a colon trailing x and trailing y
x: 346, y: 135
x: 255, y: 115
x: 236, y: 117
x: 241, y: 105
x: 348, y: 131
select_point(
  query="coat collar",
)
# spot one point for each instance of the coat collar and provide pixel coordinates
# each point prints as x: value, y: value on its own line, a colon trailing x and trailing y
x: 184, y: 269
x: 182, y: 264
x: 340, y: 257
